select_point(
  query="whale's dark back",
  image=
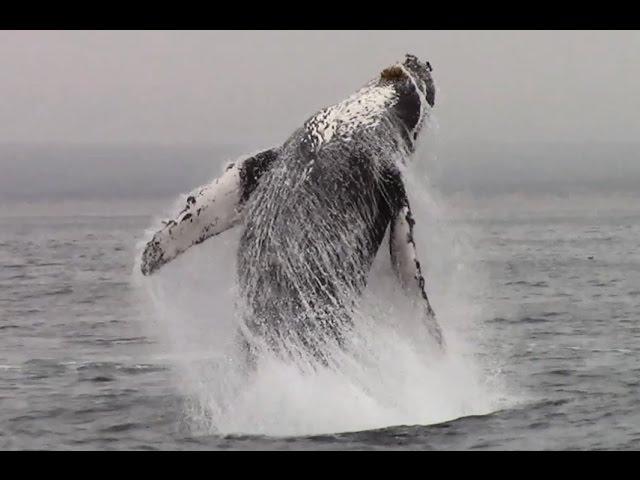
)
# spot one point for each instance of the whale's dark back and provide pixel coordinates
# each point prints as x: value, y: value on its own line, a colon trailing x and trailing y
x: 312, y: 229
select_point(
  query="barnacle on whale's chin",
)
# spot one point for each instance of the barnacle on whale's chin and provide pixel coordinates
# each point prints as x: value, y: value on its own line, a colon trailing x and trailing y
x: 393, y: 73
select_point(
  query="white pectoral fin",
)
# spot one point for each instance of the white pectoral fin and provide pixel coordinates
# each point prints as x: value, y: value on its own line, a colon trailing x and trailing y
x: 407, y: 268
x: 209, y: 210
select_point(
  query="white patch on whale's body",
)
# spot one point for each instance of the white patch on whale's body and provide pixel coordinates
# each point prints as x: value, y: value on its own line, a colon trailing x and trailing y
x: 363, y: 109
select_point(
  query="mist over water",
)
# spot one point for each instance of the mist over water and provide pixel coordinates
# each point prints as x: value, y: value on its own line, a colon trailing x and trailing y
x: 34, y: 173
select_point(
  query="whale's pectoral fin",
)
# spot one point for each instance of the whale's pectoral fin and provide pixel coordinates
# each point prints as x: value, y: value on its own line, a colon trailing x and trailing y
x: 209, y: 210
x: 406, y: 265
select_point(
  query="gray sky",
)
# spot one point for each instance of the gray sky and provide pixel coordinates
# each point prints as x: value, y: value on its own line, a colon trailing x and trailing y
x: 248, y: 86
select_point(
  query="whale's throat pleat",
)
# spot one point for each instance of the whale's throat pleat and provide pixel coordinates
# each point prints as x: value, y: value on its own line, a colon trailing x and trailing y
x: 311, y: 233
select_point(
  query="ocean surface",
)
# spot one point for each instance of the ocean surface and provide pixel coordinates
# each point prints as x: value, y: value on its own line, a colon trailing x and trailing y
x: 553, y: 342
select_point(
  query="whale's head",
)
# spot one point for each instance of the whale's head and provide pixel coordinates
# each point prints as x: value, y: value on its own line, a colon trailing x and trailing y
x: 421, y: 74
x: 415, y: 90
x: 411, y: 74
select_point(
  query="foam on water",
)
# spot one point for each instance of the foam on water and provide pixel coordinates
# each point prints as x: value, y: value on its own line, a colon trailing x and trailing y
x: 391, y: 376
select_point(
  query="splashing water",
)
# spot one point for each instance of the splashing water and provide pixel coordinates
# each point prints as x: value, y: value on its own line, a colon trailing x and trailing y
x: 390, y: 374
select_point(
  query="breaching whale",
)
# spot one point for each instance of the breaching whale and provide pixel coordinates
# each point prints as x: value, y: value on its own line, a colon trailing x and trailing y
x: 314, y: 212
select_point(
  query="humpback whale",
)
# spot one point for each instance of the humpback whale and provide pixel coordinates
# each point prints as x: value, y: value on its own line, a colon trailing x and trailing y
x: 314, y: 212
